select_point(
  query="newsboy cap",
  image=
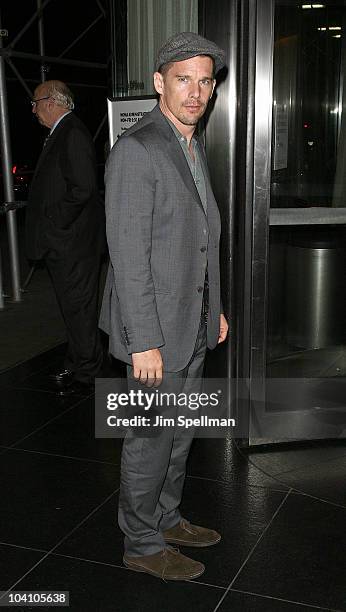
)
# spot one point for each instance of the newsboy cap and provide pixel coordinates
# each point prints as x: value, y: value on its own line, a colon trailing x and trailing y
x: 184, y: 45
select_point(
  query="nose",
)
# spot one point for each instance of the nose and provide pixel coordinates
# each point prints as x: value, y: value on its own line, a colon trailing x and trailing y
x: 195, y: 90
x: 33, y: 110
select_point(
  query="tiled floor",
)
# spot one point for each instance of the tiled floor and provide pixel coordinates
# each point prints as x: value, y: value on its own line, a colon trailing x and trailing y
x: 281, y: 512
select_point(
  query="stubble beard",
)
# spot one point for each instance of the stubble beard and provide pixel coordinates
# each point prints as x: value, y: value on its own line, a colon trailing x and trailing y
x: 186, y: 120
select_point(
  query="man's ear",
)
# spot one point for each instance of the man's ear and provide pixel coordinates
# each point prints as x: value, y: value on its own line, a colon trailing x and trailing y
x: 212, y: 91
x: 50, y: 104
x: 158, y: 82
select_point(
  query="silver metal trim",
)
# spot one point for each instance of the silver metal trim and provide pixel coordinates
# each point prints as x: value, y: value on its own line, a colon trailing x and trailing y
x: 307, y: 216
x: 222, y: 27
x: 261, y: 201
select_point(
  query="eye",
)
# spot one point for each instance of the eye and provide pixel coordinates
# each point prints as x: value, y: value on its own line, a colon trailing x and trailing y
x: 183, y: 79
x: 206, y: 81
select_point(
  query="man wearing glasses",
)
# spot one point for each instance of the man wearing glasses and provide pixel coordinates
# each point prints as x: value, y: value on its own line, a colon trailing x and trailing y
x: 65, y: 227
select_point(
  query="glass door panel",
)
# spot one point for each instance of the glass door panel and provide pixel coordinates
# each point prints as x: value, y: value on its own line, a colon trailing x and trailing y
x: 298, y: 374
x: 307, y: 297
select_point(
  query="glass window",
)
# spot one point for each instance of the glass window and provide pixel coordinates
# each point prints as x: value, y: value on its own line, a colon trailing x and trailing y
x: 306, y: 335
x: 309, y: 123
x: 150, y: 24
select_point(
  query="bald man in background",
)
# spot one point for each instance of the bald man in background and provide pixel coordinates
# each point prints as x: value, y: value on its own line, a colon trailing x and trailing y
x: 65, y: 228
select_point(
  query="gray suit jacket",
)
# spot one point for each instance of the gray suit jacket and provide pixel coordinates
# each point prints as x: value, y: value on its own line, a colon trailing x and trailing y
x: 160, y: 242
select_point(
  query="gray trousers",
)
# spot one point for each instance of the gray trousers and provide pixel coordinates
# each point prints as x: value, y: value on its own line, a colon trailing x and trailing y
x: 153, y: 468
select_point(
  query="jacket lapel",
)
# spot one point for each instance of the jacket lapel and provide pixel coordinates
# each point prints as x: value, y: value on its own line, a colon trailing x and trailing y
x: 204, y: 159
x: 176, y: 153
x: 49, y: 143
x: 211, y: 202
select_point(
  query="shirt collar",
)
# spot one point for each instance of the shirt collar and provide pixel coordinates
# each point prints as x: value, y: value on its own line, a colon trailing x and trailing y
x: 179, y: 134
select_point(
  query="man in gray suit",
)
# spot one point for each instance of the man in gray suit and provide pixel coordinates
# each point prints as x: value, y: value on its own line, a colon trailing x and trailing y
x: 162, y: 304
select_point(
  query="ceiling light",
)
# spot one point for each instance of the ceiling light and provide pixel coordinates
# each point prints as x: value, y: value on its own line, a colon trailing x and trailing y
x: 330, y: 28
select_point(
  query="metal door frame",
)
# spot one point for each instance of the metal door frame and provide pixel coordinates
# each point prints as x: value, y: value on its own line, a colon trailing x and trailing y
x: 237, y: 147
x: 258, y: 219
x: 258, y: 186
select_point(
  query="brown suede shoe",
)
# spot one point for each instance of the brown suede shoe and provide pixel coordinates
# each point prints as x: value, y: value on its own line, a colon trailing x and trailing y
x: 186, y: 534
x: 168, y: 564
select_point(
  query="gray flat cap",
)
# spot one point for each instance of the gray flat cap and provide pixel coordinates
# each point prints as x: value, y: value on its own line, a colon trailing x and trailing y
x: 184, y: 45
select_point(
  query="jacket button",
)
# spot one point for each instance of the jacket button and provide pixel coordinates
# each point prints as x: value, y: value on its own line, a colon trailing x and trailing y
x: 199, y: 289
x: 203, y: 249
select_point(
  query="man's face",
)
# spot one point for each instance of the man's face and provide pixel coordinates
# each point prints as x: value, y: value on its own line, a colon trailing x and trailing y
x: 43, y: 108
x: 185, y: 89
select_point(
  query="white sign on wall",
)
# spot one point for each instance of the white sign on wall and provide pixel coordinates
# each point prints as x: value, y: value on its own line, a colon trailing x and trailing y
x: 124, y: 112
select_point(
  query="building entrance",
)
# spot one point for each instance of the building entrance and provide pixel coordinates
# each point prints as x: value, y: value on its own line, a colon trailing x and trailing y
x: 287, y: 214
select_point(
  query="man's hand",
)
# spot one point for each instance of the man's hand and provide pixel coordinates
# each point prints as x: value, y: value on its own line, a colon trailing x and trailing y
x: 147, y: 367
x: 223, y: 329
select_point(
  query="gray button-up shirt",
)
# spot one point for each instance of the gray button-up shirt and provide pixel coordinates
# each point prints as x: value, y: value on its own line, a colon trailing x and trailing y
x: 195, y: 164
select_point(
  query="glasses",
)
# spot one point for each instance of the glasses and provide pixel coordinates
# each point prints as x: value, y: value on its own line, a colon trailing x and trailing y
x: 34, y: 102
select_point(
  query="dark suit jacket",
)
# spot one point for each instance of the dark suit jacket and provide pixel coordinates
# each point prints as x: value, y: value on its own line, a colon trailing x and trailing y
x: 161, y: 241
x: 65, y: 212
